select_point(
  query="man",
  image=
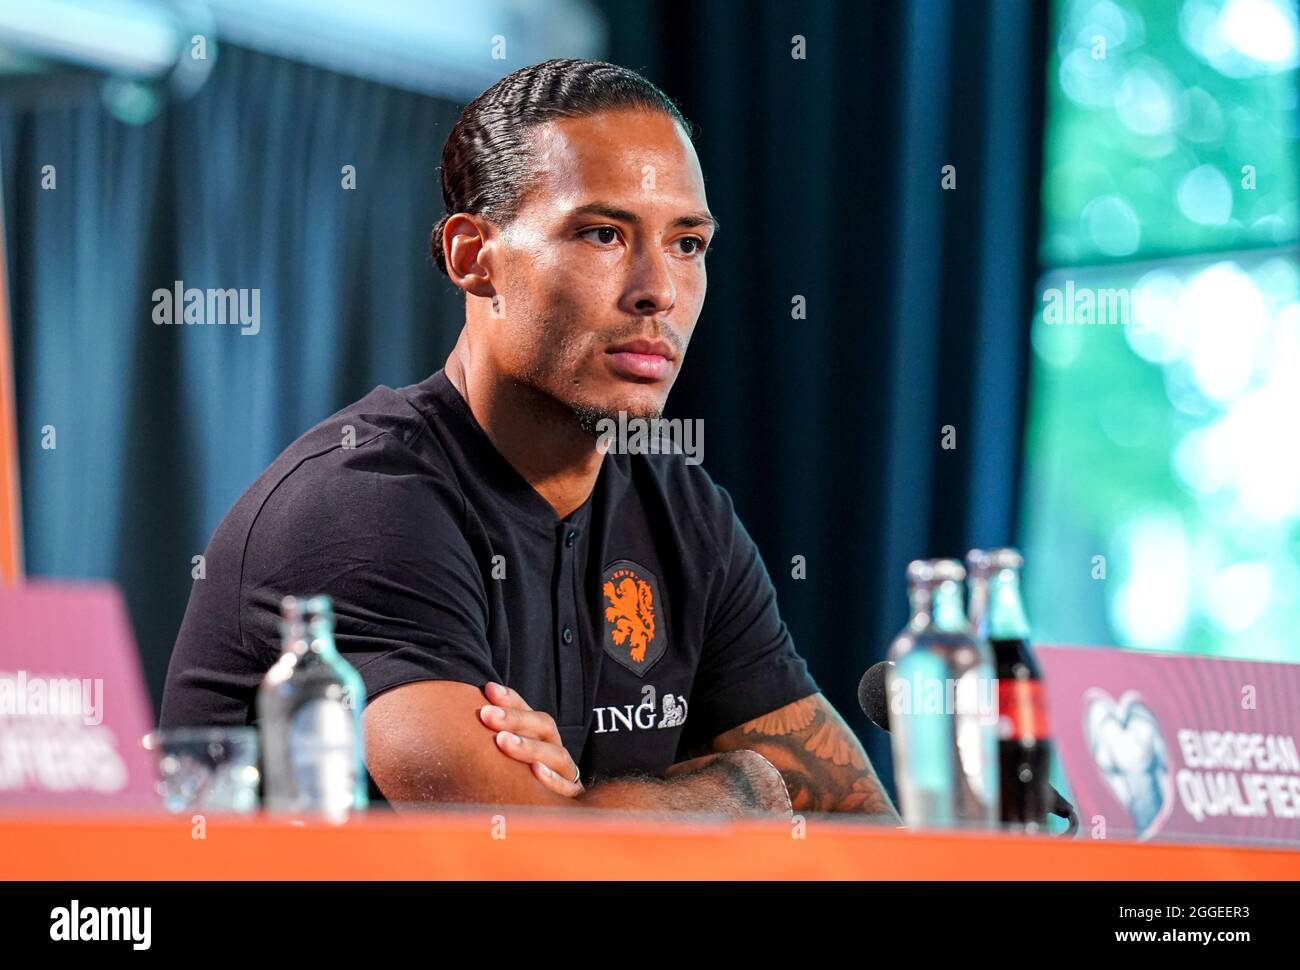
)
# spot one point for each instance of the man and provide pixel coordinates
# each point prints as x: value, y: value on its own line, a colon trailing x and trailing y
x: 538, y: 619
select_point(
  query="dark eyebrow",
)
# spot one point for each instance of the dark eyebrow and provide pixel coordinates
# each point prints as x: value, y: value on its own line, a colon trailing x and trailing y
x: 688, y: 221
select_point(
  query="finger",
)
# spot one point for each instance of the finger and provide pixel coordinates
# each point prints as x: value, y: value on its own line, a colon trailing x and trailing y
x: 561, y: 786
x: 553, y: 756
x: 537, y: 725
x: 504, y: 696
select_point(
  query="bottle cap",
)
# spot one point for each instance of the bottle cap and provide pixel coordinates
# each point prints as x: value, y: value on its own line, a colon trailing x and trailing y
x: 1006, y: 558
x: 290, y: 609
x: 293, y: 628
x: 919, y: 572
x: 948, y: 570
x: 319, y: 605
x: 977, y: 563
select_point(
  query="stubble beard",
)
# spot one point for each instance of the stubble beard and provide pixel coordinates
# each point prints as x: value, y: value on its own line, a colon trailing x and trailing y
x: 542, y: 375
x: 587, y: 415
x: 591, y: 417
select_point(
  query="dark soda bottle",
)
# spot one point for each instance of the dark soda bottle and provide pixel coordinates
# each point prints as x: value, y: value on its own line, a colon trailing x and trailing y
x: 1024, y: 735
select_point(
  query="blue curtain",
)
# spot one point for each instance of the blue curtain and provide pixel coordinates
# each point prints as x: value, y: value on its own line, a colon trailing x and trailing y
x: 158, y: 429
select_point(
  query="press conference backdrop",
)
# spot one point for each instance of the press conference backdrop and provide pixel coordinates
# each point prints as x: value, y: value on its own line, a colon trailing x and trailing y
x: 829, y: 166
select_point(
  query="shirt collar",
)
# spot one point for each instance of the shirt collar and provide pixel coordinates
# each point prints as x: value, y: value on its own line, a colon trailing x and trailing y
x: 492, y: 467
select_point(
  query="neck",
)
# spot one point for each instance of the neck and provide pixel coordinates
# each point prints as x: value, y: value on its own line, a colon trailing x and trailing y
x: 536, y: 434
x: 947, y: 611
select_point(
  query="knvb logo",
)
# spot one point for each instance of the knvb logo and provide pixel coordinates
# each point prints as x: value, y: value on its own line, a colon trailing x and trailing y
x: 633, y: 635
x: 241, y: 307
x: 644, y: 716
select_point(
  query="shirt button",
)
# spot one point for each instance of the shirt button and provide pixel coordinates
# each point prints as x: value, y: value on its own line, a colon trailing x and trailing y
x: 567, y: 635
x: 568, y: 540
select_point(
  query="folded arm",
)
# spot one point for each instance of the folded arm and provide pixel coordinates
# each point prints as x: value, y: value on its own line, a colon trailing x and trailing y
x: 426, y: 743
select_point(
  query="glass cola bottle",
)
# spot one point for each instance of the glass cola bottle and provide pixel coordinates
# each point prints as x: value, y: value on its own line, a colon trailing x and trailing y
x: 1024, y: 735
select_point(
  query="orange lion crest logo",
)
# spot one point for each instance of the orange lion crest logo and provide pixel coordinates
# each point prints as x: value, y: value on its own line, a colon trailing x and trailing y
x: 631, y: 611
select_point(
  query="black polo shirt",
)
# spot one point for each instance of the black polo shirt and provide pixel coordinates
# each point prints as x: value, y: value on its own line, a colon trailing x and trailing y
x: 645, y: 623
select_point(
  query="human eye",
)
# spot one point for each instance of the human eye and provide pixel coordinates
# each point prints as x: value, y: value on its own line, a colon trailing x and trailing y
x: 604, y: 241
x: 700, y: 247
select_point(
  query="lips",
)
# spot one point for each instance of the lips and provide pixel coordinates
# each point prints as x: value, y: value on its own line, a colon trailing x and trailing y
x: 645, y: 360
x: 645, y: 348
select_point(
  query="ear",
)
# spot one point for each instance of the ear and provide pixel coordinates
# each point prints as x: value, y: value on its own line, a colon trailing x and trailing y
x: 464, y: 240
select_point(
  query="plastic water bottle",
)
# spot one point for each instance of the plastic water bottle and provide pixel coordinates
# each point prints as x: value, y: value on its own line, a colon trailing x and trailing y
x: 942, y: 695
x: 309, y: 713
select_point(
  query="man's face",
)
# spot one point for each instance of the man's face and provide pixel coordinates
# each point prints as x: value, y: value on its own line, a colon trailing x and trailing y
x: 601, y: 277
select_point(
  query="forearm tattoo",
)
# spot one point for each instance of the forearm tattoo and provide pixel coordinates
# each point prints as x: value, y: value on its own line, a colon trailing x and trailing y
x: 822, y: 761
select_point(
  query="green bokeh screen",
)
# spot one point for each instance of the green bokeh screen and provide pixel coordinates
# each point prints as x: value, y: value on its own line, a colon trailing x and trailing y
x: 1162, y: 490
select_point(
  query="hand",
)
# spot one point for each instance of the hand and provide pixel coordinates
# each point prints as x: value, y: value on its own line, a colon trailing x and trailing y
x: 531, y: 737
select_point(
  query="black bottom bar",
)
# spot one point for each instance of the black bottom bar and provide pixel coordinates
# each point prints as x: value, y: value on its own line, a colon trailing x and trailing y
x: 504, y: 921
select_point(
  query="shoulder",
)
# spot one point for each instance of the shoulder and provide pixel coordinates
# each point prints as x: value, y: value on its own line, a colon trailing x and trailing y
x: 372, y: 463
x: 690, y: 495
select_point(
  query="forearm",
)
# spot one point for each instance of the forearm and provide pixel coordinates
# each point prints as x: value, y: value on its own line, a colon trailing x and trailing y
x: 731, y: 784
x: 824, y: 765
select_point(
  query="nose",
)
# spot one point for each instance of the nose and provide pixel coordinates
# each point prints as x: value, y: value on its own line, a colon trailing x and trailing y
x: 651, y: 289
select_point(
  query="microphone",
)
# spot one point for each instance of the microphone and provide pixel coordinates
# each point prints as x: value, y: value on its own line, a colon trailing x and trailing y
x: 875, y: 704
x: 871, y: 695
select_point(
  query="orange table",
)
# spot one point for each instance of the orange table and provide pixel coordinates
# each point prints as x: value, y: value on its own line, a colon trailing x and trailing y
x: 568, y: 845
